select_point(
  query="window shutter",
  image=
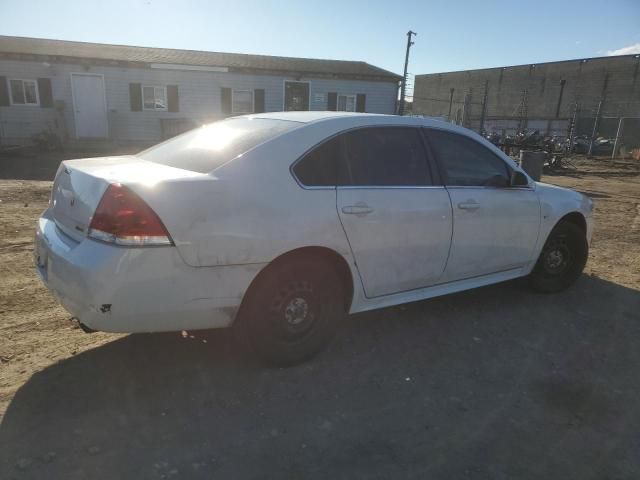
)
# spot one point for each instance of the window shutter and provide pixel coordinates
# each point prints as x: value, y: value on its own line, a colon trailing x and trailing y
x: 225, y: 101
x: 258, y: 100
x: 135, y: 97
x: 361, y: 100
x: 332, y: 101
x: 4, y: 92
x: 44, y: 90
x: 173, y: 104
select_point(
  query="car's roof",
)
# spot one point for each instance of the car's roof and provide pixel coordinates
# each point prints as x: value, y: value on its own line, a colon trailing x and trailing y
x: 308, y: 117
x: 325, y: 124
x: 376, y: 118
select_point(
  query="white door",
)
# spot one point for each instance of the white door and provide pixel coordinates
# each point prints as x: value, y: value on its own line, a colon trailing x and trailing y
x: 494, y: 230
x: 89, y: 107
x: 398, y: 224
x: 495, y: 226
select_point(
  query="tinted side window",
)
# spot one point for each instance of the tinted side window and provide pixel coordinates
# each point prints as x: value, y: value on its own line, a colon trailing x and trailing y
x: 385, y: 156
x: 318, y: 168
x: 467, y: 163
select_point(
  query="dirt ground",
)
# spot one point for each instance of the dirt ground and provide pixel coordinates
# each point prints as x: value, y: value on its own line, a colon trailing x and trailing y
x: 495, y: 383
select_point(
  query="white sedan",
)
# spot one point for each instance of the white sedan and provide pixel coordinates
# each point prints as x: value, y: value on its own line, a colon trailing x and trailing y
x: 282, y: 223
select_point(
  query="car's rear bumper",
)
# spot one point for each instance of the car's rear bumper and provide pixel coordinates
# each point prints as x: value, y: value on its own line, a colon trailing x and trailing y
x: 116, y: 289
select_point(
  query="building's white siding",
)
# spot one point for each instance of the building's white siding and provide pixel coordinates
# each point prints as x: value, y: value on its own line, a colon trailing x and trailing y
x: 199, y: 98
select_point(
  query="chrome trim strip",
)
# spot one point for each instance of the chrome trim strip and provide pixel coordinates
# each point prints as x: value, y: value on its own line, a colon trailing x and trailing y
x: 389, y: 187
x: 407, y: 187
x: 484, y: 187
x: 313, y: 187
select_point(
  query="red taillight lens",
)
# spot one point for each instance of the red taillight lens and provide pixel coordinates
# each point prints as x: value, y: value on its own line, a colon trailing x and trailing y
x: 122, y: 217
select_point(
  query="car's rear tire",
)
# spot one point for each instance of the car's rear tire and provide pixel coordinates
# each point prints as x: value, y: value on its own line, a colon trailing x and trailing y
x: 292, y: 311
x: 562, y: 259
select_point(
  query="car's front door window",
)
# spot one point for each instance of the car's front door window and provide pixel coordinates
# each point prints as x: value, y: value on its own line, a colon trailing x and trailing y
x: 467, y: 163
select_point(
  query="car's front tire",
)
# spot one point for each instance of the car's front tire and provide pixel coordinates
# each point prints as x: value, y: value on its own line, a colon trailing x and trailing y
x: 562, y: 259
x: 292, y: 311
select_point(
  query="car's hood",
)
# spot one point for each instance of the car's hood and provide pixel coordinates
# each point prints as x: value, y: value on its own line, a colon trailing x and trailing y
x: 549, y: 186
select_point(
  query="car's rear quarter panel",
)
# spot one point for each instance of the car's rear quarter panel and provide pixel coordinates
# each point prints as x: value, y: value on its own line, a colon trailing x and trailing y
x: 252, y: 210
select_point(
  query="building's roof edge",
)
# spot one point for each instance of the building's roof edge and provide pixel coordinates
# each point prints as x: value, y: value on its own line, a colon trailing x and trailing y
x: 147, y: 55
x: 583, y: 60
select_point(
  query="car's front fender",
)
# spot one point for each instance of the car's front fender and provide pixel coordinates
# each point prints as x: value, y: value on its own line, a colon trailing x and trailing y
x: 557, y: 203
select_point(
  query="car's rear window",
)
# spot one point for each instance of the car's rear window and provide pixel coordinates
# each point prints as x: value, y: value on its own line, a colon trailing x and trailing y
x: 206, y: 148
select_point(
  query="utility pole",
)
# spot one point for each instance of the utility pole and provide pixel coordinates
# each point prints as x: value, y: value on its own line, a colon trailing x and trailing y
x: 466, y: 107
x: 483, y: 114
x: 596, y: 120
x: 572, y: 127
x: 451, y: 90
x: 618, y: 135
x: 403, y: 88
x: 595, y: 127
x: 522, y: 112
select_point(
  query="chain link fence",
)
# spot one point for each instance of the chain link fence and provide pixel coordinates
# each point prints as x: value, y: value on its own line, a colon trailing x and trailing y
x: 613, y: 126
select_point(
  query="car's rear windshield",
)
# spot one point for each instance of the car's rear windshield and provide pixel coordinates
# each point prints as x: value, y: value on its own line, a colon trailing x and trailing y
x: 206, y: 148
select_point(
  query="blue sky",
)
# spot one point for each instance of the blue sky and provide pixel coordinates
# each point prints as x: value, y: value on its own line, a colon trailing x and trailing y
x: 452, y: 35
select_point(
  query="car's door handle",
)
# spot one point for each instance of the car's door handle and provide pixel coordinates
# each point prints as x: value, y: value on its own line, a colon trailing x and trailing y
x: 357, y: 209
x: 469, y: 205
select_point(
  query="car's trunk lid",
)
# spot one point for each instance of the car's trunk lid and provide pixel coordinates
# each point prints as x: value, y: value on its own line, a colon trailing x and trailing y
x: 74, y: 198
x: 80, y: 184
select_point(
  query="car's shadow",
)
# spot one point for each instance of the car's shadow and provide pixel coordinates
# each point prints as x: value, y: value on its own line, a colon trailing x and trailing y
x: 493, y: 383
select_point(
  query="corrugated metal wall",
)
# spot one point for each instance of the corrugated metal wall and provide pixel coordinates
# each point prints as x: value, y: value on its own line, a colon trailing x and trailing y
x: 549, y: 103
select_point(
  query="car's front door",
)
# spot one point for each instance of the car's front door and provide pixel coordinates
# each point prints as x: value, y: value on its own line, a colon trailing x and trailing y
x: 495, y: 225
x: 397, y: 221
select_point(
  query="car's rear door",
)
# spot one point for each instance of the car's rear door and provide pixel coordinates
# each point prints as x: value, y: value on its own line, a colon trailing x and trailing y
x: 495, y: 226
x: 398, y: 222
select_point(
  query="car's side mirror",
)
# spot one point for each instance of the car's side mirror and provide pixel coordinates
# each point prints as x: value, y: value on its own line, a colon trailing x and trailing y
x: 519, y: 179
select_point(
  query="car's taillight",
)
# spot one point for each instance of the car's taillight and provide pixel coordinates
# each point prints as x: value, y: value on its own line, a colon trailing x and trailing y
x: 123, y: 218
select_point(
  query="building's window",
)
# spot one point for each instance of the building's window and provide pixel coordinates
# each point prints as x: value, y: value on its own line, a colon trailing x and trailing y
x: 154, y: 98
x: 242, y: 101
x: 346, y: 103
x: 24, y: 92
x: 296, y: 96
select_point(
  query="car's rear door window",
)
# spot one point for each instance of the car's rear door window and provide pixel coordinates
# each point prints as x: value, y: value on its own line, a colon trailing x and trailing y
x: 465, y: 162
x: 385, y: 156
x: 206, y: 148
x: 371, y: 156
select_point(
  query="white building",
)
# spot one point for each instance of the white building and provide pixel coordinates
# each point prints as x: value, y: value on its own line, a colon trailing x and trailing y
x: 123, y: 94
